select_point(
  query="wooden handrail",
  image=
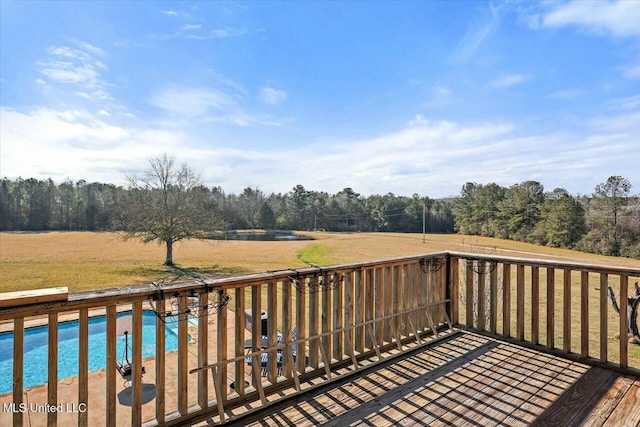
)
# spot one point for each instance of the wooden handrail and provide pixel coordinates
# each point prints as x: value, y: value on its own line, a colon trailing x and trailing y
x: 362, y: 309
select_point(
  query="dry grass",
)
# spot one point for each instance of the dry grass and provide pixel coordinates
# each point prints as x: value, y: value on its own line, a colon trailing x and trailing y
x: 84, y: 260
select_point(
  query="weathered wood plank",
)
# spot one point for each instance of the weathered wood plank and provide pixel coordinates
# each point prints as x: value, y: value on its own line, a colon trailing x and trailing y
x: 535, y: 305
x: 34, y: 296
x: 83, y: 366
x: 624, y: 322
x: 378, y: 306
x: 566, y: 312
x: 18, y: 368
x: 563, y: 410
x: 160, y: 305
x: 520, y: 302
x: 239, y: 335
x: 221, y: 351
x: 455, y: 289
x: 506, y: 300
x: 368, y: 304
x: 325, y: 318
x: 52, y: 371
x: 469, y: 311
x: 256, y: 330
x: 301, y: 324
x: 203, y: 351
x: 358, y: 304
x: 493, y: 298
x: 110, y: 404
x: 183, y: 356
x: 136, y: 361
x: 627, y: 413
x: 338, y: 318
x: 584, y: 314
x: 482, y: 296
x: 600, y: 409
x: 272, y: 330
x: 314, y: 347
x: 551, y: 307
x: 604, y: 326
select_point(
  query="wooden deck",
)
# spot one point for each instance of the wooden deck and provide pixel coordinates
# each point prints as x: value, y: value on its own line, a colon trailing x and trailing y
x: 466, y: 379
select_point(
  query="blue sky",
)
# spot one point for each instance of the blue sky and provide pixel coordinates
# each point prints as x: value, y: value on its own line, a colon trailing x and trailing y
x: 403, y: 97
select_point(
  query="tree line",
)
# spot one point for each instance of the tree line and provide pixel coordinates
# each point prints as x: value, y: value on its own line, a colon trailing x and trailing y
x: 607, y: 221
x: 34, y: 205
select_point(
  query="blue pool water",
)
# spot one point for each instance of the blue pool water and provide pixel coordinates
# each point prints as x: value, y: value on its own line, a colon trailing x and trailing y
x: 36, y: 348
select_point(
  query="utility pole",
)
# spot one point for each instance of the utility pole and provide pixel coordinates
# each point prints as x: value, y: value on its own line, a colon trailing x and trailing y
x: 424, y: 222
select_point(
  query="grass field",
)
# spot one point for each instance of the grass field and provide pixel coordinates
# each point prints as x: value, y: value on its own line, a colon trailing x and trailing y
x: 85, y: 261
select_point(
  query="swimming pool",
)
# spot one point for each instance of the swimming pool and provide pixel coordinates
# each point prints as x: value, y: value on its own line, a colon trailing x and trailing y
x: 36, y: 348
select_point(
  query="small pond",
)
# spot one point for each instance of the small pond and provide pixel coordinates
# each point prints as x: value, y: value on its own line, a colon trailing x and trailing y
x: 278, y: 236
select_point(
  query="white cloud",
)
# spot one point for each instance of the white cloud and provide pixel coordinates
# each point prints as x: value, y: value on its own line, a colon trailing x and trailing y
x: 617, y: 18
x: 565, y: 94
x: 426, y: 156
x: 477, y: 34
x: 191, y: 102
x: 508, y: 80
x: 272, y: 96
x: 76, y: 66
x: 46, y: 143
x: 632, y: 71
x: 190, y: 27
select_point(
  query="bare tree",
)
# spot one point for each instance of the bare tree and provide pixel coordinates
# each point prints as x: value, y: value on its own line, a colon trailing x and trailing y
x: 168, y: 205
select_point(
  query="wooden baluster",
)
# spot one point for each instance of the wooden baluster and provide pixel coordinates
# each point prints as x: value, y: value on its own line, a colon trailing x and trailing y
x: 203, y: 350
x: 584, y: 314
x: 379, y: 306
x: 520, y: 302
x: 314, y: 347
x: 256, y: 331
x: 325, y: 317
x: 183, y: 356
x: 359, y: 311
x: 160, y: 359
x: 110, y: 404
x: 52, y: 377
x: 338, y: 317
x: 240, y: 306
x: 506, y: 300
x: 551, y: 307
x: 535, y: 305
x: 624, y: 321
x: 136, y: 371
x: 482, y: 313
x: 83, y: 365
x: 272, y: 327
x: 368, y: 304
x: 493, y: 299
x: 454, y: 290
x: 566, y: 312
x: 604, y: 284
x: 18, y: 368
x: 301, y: 324
x: 469, y: 297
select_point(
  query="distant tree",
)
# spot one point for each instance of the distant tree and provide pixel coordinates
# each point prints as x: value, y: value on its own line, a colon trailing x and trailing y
x: 265, y: 217
x: 166, y: 206
x: 607, y: 206
x: 562, y: 220
x: 520, y: 210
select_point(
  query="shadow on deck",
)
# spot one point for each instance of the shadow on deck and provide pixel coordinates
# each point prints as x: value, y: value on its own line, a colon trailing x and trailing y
x: 466, y: 379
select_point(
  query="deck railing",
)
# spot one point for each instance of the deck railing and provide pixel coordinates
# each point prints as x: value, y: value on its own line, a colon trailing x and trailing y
x: 322, y: 323
x: 563, y: 307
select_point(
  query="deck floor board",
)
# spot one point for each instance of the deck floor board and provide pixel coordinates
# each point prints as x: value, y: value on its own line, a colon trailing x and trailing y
x: 469, y: 380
